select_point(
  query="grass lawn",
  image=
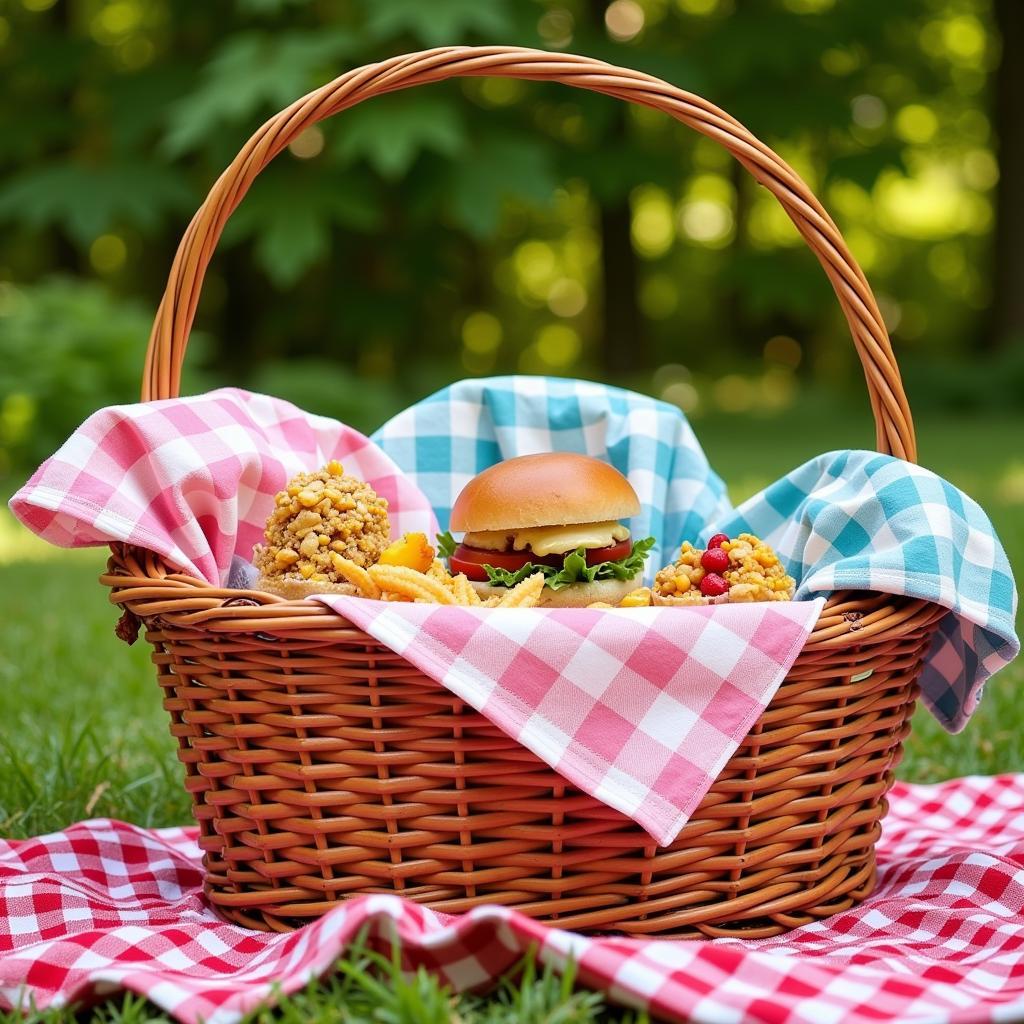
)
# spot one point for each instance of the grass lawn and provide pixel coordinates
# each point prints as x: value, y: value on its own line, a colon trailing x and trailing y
x: 83, y: 733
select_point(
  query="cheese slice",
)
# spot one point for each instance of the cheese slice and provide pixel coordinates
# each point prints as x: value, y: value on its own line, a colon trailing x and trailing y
x: 549, y: 540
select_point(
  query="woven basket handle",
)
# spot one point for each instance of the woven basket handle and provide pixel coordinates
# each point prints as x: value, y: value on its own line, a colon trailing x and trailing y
x: 162, y: 374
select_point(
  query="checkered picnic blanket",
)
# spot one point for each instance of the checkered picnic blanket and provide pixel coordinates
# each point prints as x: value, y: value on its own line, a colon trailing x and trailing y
x: 845, y: 520
x: 105, y: 906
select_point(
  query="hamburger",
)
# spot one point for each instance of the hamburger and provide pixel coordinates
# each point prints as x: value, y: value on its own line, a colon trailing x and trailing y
x: 558, y: 514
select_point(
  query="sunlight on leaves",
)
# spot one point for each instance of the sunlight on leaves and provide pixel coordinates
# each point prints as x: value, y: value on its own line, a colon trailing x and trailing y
x: 252, y: 71
x: 481, y: 333
x: 389, y: 134
x: 89, y: 200
x: 930, y: 205
x: 439, y: 21
x: 653, y: 228
x: 497, y: 169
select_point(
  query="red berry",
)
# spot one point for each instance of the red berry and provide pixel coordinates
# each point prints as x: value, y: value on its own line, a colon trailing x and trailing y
x: 715, y: 560
x: 712, y: 585
x: 716, y: 541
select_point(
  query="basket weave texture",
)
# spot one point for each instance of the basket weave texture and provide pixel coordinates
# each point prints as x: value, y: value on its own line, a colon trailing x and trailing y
x: 322, y: 765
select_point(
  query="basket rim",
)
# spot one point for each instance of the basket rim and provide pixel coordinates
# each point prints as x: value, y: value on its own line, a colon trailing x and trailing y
x: 142, y: 583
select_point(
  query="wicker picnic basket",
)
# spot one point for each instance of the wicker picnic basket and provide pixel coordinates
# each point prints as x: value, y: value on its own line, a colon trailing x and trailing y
x: 322, y: 766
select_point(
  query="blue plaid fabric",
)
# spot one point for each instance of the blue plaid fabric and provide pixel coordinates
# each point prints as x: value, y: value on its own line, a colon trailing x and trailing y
x: 447, y: 439
x: 845, y: 520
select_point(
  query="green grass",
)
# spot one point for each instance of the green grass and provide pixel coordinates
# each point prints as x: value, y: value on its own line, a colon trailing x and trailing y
x: 83, y: 732
x: 369, y: 988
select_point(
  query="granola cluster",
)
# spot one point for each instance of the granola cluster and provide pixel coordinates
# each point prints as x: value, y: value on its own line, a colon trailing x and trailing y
x: 744, y: 569
x: 319, y: 519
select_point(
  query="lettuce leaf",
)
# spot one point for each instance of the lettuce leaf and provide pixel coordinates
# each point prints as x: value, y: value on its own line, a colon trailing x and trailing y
x: 575, y: 569
x: 446, y: 544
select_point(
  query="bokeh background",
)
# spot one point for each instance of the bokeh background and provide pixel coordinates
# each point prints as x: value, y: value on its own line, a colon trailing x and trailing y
x: 487, y: 226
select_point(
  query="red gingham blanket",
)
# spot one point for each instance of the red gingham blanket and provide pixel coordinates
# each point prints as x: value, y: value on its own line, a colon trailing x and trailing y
x: 105, y: 906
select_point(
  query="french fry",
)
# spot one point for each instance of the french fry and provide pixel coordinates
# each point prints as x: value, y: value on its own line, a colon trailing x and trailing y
x: 435, y: 586
x: 464, y: 592
x: 525, y: 594
x: 356, y: 575
x: 438, y: 572
x: 400, y: 579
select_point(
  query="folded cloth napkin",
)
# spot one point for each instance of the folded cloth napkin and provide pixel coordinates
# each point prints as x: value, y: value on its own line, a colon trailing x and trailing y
x: 845, y: 520
x: 194, y: 479
x: 863, y: 521
x: 104, y: 906
x: 638, y: 707
x: 447, y: 439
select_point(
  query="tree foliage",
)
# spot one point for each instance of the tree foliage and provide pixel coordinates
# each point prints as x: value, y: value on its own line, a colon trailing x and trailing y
x: 381, y: 242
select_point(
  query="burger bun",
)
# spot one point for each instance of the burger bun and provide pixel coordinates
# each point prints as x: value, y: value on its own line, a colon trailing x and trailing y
x: 551, y: 489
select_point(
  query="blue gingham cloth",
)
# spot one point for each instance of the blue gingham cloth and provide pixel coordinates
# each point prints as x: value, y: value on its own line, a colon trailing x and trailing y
x: 850, y: 520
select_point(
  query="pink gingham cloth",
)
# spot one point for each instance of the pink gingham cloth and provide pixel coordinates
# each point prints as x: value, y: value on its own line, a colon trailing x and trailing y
x: 194, y: 479
x: 105, y: 906
x: 639, y: 708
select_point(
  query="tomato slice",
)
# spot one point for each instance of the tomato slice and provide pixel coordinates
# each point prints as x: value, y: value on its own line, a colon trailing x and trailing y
x: 471, y: 561
x: 471, y: 570
x: 612, y: 553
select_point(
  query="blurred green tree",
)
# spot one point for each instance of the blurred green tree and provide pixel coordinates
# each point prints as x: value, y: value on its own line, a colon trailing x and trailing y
x: 488, y: 225
x: 1007, y: 321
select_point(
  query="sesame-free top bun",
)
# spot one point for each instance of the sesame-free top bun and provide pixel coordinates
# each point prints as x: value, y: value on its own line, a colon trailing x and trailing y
x: 554, y: 489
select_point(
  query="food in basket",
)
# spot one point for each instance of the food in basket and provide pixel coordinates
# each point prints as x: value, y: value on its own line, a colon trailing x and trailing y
x: 639, y: 598
x: 743, y: 569
x: 406, y: 570
x: 329, y: 534
x: 555, y: 514
x: 413, y: 551
x: 322, y: 522
x: 392, y: 579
